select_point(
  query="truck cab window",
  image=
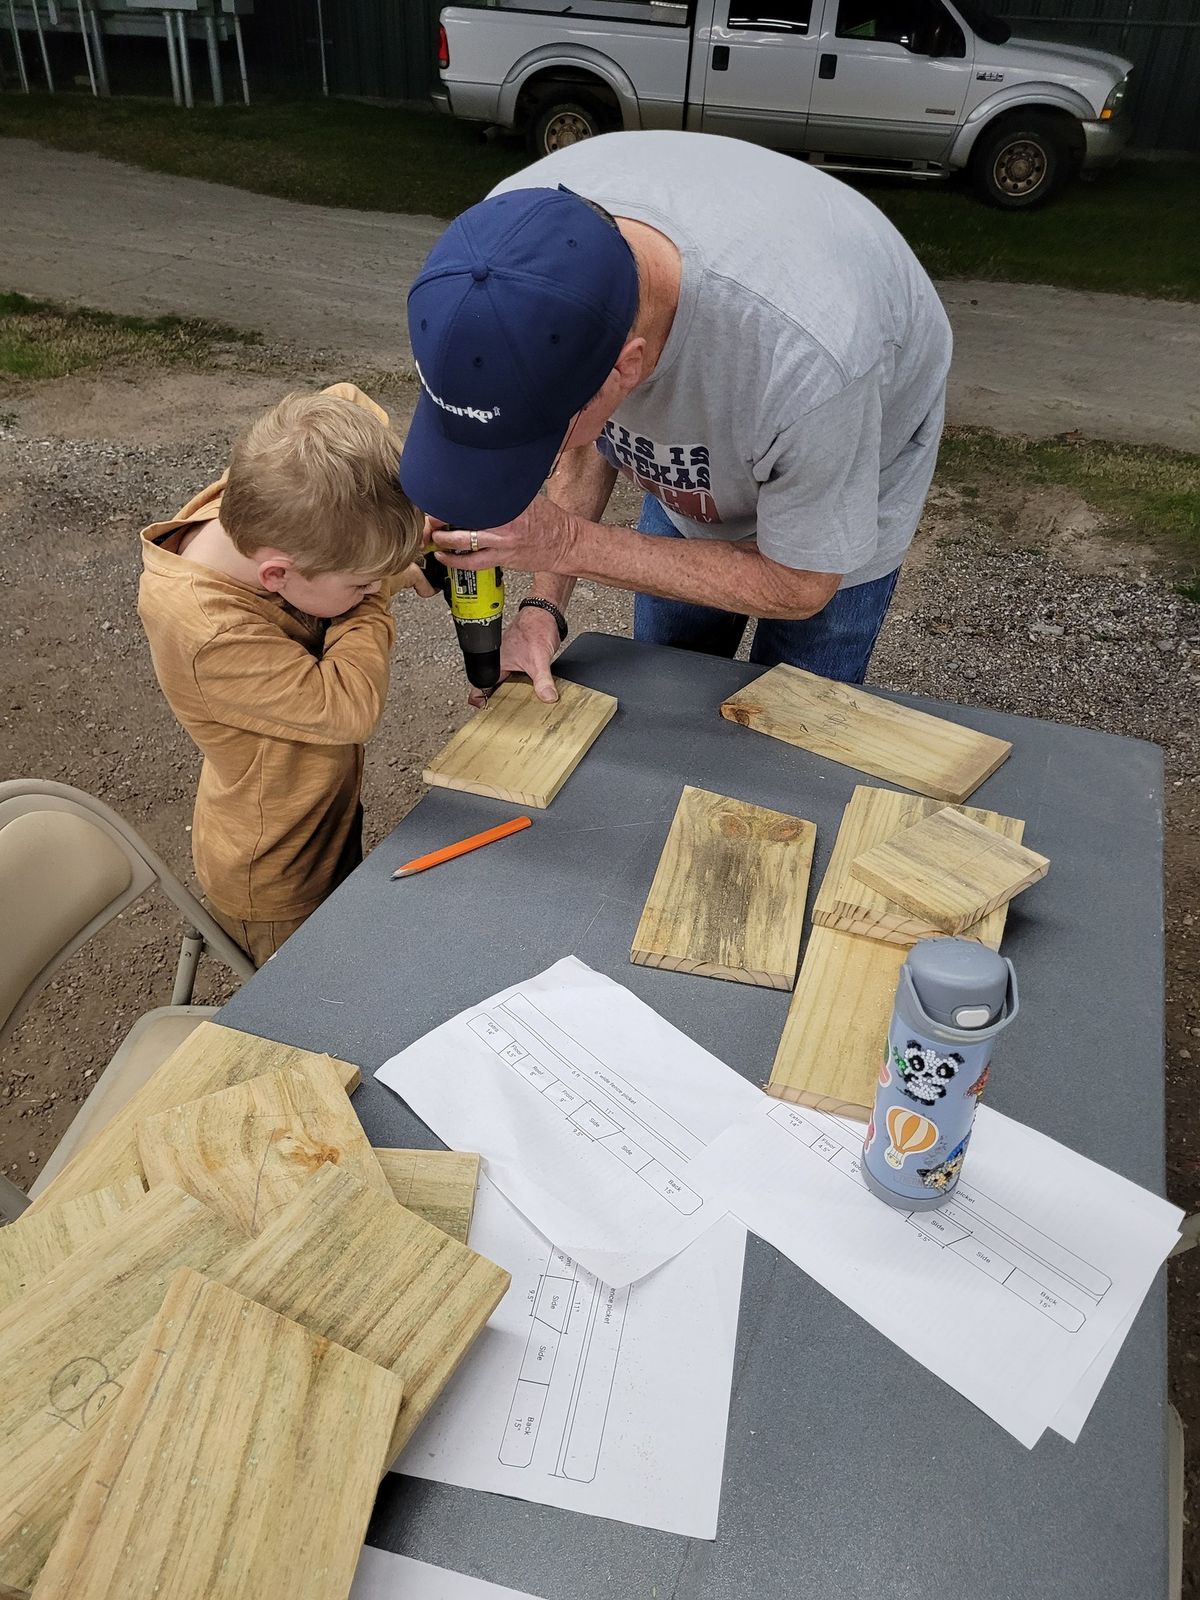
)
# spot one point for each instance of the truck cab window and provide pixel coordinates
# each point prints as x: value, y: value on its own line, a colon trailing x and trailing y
x: 922, y: 26
x: 771, y: 16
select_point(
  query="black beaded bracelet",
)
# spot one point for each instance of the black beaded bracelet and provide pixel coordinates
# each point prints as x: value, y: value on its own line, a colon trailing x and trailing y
x: 548, y: 605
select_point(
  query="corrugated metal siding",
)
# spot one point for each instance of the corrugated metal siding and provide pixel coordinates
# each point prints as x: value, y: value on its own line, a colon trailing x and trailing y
x: 1161, y: 38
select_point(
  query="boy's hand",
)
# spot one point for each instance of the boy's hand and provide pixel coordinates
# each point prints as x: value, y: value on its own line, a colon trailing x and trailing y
x: 528, y: 646
x: 413, y: 578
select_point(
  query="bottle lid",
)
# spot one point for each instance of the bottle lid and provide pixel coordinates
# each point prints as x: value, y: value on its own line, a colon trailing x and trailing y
x: 958, y: 983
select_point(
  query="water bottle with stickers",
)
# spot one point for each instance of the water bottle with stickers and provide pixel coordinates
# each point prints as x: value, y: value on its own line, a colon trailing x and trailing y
x: 954, y: 997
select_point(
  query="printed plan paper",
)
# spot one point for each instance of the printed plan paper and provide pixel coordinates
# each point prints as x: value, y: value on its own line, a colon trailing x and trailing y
x: 611, y: 1401
x: 589, y: 1110
x: 1010, y: 1292
x: 383, y: 1576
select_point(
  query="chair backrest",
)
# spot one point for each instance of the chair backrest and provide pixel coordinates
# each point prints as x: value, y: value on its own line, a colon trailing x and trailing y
x: 68, y: 865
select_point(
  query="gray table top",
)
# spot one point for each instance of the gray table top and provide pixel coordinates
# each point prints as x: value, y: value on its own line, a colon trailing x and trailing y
x: 828, y: 1490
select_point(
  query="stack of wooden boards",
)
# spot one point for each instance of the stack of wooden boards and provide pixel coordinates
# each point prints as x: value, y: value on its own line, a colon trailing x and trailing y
x: 201, y: 1385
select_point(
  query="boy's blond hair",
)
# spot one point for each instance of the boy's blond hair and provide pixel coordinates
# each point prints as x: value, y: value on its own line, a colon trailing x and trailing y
x: 317, y: 477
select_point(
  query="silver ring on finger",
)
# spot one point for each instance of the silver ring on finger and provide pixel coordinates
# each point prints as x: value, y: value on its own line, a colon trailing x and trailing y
x: 474, y: 543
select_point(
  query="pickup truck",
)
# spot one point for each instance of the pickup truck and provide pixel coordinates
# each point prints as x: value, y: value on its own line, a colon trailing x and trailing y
x: 921, y: 87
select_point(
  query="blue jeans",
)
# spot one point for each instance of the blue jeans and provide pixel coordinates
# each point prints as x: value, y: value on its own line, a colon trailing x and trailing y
x: 835, y: 643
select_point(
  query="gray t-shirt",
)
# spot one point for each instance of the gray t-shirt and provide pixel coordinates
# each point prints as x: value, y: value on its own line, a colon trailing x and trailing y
x: 799, y: 398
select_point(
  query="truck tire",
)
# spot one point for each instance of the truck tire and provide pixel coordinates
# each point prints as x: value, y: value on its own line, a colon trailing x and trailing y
x: 563, y: 122
x: 1022, y: 160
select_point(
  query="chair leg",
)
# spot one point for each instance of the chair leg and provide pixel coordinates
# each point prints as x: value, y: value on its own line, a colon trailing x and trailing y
x: 190, y: 952
x: 12, y: 1200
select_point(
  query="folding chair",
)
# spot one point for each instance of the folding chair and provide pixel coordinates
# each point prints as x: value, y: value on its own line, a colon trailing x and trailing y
x: 68, y: 865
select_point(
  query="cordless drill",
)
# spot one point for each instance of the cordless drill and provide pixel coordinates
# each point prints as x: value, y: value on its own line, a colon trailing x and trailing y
x: 476, y: 601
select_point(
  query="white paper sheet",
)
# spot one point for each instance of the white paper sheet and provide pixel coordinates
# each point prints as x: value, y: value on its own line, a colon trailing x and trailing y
x: 589, y: 1109
x: 383, y: 1576
x: 1009, y: 1292
x: 613, y: 1402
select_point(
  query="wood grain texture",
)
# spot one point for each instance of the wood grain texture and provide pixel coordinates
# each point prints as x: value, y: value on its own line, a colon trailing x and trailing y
x: 439, y: 1185
x: 34, y: 1245
x: 837, y: 1024
x: 241, y: 1459
x: 846, y: 724
x: 521, y: 749
x: 212, y: 1057
x: 360, y: 1269
x: 65, y: 1352
x: 245, y: 1151
x: 875, y: 815
x: 727, y: 900
x: 949, y: 869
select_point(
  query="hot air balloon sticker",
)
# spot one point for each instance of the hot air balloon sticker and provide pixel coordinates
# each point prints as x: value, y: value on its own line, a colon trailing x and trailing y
x: 911, y: 1135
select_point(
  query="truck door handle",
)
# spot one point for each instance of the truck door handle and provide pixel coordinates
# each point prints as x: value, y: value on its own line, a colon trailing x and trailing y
x: 720, y: 58
x: 827, y: 67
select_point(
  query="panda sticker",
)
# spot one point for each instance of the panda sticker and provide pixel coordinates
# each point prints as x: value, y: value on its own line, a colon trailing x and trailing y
x: 924, y: 1074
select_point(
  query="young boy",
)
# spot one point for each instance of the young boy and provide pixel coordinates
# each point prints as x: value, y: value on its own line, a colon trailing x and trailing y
x: 266, y: 604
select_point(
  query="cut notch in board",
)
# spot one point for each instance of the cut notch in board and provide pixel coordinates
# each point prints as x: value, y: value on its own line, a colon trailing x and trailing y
x: 949, y: 869
x: 861, y: 730
x: 520, y: 748
x: 727, y: 900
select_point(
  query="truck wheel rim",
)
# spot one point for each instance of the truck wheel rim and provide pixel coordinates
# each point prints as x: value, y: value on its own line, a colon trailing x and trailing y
x: 568, y: 127
x: 1020, y: 167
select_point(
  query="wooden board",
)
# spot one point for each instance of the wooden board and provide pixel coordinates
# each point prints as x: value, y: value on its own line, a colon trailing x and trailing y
x: 846, y: 724
x: 370, y: 1275
x: 949, y: 869
x: 727, y: 900
x: 212, y: 1057
x: 65, y: 1351
x: 241, y: 1459
x: 837, y: 1024
x: 872, y: 816
x: 521, y: 749
x: 245, y: 1151
x: 32, y: 1246
x: 439, y: 1185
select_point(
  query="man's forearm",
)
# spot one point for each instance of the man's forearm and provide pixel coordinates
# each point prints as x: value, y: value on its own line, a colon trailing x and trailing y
x: 707, y: 572
x: 582, y: 483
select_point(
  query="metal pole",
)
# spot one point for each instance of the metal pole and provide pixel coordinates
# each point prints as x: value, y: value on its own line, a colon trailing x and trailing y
x: 321, y: 46
x: 169, y: 26
x: 185, y: 64
x: 17, y: 51
x: 214, y: 61
x: 37, y: 22
x: 87, y: 47
x: 241, y: 50
x: 98, y: 44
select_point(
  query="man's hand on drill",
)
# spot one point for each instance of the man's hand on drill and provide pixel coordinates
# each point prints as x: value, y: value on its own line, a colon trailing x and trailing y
x: 528, y: 646
x: 541, y: 539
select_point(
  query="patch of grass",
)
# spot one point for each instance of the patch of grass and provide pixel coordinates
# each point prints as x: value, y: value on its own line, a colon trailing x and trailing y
x: 41, y: 340
x: 1145, y: 493
x: 1134, y: 230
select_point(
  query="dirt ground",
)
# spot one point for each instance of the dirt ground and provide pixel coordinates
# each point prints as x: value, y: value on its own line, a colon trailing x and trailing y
x: 1076, y: 629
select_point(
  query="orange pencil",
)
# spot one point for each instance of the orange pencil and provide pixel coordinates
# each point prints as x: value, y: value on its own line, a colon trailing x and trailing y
x: 462, y: 847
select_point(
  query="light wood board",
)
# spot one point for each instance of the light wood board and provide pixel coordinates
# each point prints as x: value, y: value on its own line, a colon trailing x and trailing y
x: 949, y: 869
x: 872, y: 816
x: 370, y: 1275
x: 65, y: 1351
x: 212, y: 1057
x: 727, y: 900
x: 242, y: 1459
x: 846, y: 724
x: 520, y: 748
x: 245, y: 1151
x: 837, y: 1024
x: 32, y: 1246
x: 439, y: 1185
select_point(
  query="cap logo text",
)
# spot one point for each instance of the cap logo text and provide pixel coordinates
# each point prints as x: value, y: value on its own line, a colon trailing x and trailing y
x: 475, y: 413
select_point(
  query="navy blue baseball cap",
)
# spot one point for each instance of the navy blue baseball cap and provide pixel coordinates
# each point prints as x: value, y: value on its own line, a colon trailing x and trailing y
x: 516, y: 320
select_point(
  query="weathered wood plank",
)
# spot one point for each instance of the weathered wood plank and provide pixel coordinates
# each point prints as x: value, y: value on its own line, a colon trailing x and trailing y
x: 727, y: 900
x: 438, y: 1185
x: 241, y: 1459
x: 34, y: 1245
x: 246, y: 1150
x: 861, y: 730
x: 520, y: 748
x: 210, y: 1058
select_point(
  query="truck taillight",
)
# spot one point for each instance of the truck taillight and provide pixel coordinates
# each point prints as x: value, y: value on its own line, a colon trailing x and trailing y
x: 443, y: 49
